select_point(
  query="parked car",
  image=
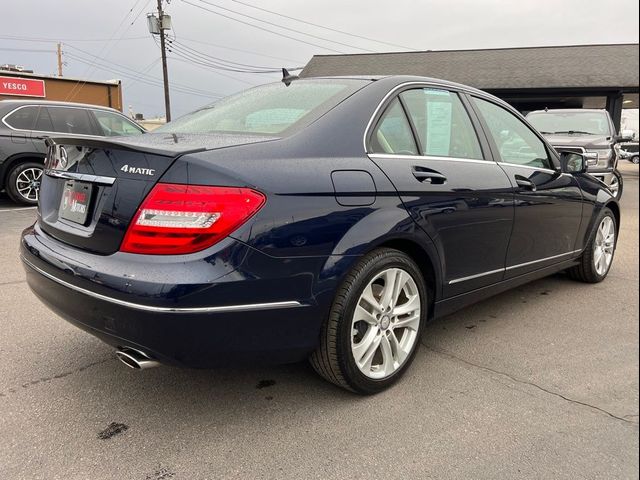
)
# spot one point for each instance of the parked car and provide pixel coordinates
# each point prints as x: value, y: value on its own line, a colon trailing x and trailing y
x: 26, y: 123
x: 590, y: 132
x: 325, y: 218
x: 629, y: 151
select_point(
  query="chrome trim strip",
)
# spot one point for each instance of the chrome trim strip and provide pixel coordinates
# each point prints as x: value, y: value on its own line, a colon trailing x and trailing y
x: 433, y: 83
x: 570, y: 147
x: 84, y: 177
x: 151, y: 308
x: 512, y: 267
x: 529, y: 167
x: 97, y: 108
x: 471, y: 277
x: 431, y: 158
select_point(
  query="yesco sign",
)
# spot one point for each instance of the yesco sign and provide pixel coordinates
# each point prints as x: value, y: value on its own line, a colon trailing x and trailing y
x: 24, y: 87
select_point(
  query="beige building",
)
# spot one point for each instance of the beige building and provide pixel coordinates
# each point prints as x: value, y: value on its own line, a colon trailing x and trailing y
x: 16, y: 85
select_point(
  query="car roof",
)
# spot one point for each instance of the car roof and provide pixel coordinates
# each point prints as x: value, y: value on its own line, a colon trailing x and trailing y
x: 399, y: 79
x: 21, y: 102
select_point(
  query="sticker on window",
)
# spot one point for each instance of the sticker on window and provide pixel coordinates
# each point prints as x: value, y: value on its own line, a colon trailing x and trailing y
x: 439, y: 112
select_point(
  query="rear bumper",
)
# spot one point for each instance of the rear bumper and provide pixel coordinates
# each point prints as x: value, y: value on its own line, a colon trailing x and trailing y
x: 226, y: 306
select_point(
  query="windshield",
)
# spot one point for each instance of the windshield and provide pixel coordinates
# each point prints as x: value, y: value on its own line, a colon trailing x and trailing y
x: 585, y: 123
x: 267, y: 109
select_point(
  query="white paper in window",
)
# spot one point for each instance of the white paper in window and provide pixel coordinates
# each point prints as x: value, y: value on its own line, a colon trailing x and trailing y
x: 438, y: 122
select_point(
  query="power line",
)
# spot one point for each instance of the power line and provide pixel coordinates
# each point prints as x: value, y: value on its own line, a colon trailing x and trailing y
x: 56, y: 40
x: 261, y: 28
x: 91, y: 68
x: 34, y: 50
x: 147, y: 81
x: 322, y: 26
x: 238, y: 50
x: 141, y: 77
x: 284, y: 27
x: 224, y: 64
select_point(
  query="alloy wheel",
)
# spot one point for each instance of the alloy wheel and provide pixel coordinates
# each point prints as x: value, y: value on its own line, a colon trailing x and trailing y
x: 604, y: 245
x: 384, y: 328
x: 614, y: 186
x: 28, y: 183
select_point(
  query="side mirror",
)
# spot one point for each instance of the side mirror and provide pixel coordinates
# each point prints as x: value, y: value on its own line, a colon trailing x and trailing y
x: 625, y: 136
x: 573, y: 162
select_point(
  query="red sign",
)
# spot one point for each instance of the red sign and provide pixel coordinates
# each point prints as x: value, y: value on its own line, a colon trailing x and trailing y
x: 23, y: 87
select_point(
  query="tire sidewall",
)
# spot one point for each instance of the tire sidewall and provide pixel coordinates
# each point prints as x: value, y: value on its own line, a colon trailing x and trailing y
x: 357, y: 380
x: 618, y: 176
x: 11, y: 187
x: 606, y: 212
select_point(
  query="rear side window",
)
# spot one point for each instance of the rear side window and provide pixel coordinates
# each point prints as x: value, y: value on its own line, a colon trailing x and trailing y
x: 393, y: 132
x: 114, y: 125
x: 442, y: 124
x: 23, y: 118
x: 516, y: 142
x: 44, y: 123
x: 71, y: 120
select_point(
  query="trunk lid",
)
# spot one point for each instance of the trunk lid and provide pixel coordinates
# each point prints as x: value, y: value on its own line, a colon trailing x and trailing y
x: 92, y: 188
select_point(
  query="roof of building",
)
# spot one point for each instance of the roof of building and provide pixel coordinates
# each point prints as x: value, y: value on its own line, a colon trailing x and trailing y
x: 11, y: 73
x: 577, y: 66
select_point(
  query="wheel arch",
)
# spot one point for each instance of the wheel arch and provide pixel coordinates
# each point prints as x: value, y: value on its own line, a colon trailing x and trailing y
x: 615, y: 208
x: 15, y: 160
x: 425, y: 263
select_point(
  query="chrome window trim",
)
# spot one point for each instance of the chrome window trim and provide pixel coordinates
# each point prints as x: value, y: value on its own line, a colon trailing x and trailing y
x: 151, y: 308
x: 83, y: 177
x: 422, y: 84
x: 570, y: 147
x: 430, y: 157
x: 115, y: 112
x: 529, y: 167
x: 512, y: 267
x: 4, y: 119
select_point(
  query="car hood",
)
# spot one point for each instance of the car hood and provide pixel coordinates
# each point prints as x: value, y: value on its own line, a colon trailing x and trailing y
x: 586, y: 141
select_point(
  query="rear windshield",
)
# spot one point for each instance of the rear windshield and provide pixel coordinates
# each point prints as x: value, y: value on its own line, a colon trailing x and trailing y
x: 585, y: 123
x: 267, y: 109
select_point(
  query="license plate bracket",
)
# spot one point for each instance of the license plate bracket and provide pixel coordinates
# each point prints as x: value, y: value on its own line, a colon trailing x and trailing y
x: 76, y: 201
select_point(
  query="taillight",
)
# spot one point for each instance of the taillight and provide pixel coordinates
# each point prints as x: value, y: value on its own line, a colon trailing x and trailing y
x: 176, y: 219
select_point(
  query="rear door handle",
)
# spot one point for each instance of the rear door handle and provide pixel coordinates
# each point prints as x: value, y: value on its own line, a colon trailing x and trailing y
x: 525, y: 183
x: 423, y: 174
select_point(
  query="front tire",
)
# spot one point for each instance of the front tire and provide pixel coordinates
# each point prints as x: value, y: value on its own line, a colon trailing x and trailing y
x: 597, y: 258
x: 634, y: 160
x: 616, y: 184
x: 23, y: 182
x: 375, y: 323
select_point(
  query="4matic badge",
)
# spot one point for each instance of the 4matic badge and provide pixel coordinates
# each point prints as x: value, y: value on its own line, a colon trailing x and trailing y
x: 138, y: 170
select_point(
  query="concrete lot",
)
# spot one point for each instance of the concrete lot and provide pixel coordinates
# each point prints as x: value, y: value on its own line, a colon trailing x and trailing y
x: 540, y: 382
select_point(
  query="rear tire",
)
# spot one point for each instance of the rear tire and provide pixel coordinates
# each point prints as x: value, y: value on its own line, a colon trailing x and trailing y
x: 387, y: 338
x: 590, y: 270
x: 634, y: 160
x: 23, y: 182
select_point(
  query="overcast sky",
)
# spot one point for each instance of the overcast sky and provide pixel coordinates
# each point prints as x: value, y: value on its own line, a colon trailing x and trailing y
x: 416, y: 24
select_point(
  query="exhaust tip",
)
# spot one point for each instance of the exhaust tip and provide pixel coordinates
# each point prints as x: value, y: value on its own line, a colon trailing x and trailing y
x: 135, y: 359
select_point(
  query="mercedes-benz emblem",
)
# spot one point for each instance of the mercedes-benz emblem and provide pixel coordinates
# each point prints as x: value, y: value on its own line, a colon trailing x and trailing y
x: 64, y: 158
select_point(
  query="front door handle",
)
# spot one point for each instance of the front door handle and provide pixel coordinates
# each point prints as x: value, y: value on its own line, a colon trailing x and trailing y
x: 525, y: 183
x: 425, y: 174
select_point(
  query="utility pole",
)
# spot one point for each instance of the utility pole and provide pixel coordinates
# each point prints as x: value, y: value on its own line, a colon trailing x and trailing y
x: 165, y: 73
x: 59, y: 59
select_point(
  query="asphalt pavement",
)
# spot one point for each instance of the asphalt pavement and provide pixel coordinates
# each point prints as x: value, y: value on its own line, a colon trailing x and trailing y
x: 539, y: 382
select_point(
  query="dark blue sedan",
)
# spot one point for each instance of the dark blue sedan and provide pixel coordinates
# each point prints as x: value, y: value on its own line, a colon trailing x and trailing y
x: 325, y: 218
